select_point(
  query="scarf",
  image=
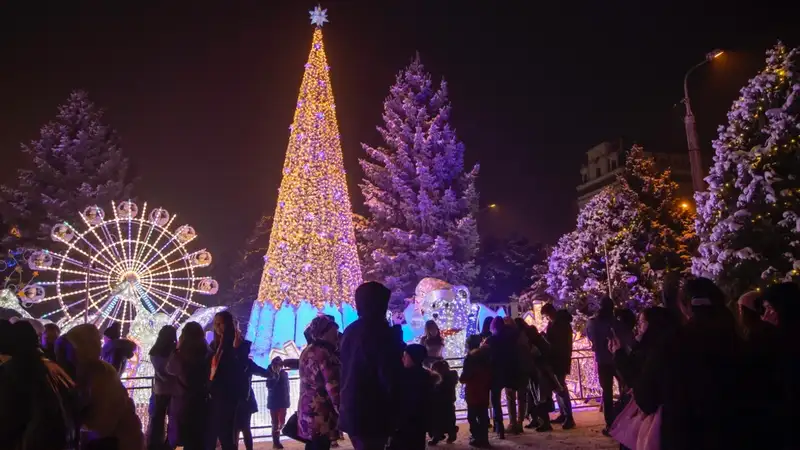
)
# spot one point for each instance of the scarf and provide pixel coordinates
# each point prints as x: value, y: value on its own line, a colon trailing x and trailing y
x: 237, y: 340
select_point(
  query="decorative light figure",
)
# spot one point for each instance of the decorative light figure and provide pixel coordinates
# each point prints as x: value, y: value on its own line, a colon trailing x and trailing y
x: 311, y: 263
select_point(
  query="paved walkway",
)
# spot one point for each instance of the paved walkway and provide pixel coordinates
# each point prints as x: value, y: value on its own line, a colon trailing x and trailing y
x: 585, y: 436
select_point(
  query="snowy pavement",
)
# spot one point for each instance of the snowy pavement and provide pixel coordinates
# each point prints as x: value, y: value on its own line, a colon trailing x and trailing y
x: 585, y: 436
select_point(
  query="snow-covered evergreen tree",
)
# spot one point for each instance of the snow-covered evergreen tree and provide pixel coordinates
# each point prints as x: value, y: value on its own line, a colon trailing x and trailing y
x: 77, y: 162
x: 247, y: 270
x: 748, y: 220
x: 627, y: 238
x: 422, y: 203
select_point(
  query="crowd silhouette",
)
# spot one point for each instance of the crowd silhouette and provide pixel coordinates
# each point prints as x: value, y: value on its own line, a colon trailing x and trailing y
x: 699, y: 376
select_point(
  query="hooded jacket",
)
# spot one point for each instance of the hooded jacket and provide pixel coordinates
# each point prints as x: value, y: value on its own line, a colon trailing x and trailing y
x: 371, y: 358
x: 559, y: 336
x: 108, y: 410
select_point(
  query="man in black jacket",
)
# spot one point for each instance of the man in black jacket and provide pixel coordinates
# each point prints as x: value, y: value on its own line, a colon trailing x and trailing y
x: 559, y: 335
x: 371, y: 357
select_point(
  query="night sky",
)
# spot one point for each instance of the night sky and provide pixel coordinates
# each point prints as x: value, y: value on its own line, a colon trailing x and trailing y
x: 202, y: 93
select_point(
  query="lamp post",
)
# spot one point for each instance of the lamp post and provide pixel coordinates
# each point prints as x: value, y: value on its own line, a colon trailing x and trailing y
x: 695, y: 160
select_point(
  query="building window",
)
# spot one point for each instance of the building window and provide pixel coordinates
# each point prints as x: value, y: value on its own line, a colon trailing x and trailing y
x: 598, y: 172
x: 613, y: 164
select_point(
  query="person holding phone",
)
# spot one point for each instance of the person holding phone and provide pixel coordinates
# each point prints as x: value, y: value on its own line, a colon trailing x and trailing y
x: 278, y: 398
x: 599, y: 330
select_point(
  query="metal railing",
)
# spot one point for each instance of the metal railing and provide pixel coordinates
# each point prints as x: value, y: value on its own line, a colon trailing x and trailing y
x: 582, y: 384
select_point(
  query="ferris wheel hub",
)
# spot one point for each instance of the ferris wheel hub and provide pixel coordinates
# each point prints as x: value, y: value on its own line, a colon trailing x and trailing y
x: 130, y: 277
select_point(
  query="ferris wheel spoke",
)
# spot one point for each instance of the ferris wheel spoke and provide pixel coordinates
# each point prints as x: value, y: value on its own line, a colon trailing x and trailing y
x: 81, y: 265
x: 71, y: 282
x: 110, y: 242
x: 97, y: 252
x: 178, y: 248
x: 175, y: 297
x: 141, y: 223
x: 119, y: 235
x: 158, y: 239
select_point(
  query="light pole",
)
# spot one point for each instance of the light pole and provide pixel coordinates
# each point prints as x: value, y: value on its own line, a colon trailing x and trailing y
x: 695, y: 160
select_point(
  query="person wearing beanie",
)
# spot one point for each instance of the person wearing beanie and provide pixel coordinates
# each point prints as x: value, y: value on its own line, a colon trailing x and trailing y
x: 418, y: 385
x: 371, y: 358
x: 116, y: 351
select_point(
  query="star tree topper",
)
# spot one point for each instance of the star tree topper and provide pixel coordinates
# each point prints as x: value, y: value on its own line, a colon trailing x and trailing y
x: 318, y: 16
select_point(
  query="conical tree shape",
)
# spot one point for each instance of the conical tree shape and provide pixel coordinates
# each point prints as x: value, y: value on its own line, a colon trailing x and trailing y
x: 312, y: 252
x: 748, y: 220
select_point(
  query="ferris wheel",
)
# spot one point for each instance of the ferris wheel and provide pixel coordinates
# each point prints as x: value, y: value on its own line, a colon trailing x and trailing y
x: 130, y: 269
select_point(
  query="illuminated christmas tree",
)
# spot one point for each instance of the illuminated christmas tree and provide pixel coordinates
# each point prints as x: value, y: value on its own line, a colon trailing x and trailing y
x: 748, y: 220
x: 311, y: 265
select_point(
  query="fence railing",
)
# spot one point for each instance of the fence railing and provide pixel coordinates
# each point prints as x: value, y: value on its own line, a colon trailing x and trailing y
x: 581, y: 382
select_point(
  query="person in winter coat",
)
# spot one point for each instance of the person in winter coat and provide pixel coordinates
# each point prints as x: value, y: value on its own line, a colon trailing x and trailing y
x: 116, y: 351
x: 559, y: 336
x: 278, y: 398
x: 519, y: 378
x: 371, y: 356
x: 416, y: 405
x: 249, y: 406
x: 163, y: 382
x: 782, y: 309
x: 433, y: 342
x: 188, y: 407
x: 698, y: 380
x: 502, y: 348
x: 600, y: 329
x: 38, y: 408
x: 228, y: 385
x: 477, y: 379
x: 108, y: 415
x: 320, y: 369
x: 444, y: 404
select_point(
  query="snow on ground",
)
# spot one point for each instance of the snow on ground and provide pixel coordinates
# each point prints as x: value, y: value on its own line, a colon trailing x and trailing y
x: 585, y: 436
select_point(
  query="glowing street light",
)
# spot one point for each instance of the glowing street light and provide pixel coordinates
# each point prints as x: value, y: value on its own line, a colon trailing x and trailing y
x: 695, y: 161
x: 493, y: 205
x: 684, y: 205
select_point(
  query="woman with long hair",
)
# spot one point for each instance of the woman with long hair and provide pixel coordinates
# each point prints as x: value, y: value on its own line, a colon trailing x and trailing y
x: 165, y: 344
x: 37, y: 407
x: 188, y: 407
x: 433, y: 342
x: 228, y: 379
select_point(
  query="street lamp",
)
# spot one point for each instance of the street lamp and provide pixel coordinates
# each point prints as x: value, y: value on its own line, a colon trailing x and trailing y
x: 684, y: 205
x: 695, y: 161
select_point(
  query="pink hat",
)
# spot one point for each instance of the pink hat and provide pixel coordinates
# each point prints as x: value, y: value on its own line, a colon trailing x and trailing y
x: 749, y: 300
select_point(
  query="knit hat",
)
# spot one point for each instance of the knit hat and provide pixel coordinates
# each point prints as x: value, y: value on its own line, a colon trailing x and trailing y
x: 318, y: 327
x: 417, y: 353
x: 750, y: 300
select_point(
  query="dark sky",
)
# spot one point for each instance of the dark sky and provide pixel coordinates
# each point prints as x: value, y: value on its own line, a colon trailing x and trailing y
x: 202, y: 93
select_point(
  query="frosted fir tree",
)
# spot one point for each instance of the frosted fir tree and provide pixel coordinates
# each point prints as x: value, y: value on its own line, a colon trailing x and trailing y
x: 747, y: 220
x: 422, y: 202
x: 627, y: 238
x: 77, y: 162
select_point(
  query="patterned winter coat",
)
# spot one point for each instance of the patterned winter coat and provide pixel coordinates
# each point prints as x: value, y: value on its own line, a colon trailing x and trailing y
x: 318, y: 406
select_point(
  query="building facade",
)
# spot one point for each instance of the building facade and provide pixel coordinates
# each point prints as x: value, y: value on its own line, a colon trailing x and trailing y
x: 605, y: 161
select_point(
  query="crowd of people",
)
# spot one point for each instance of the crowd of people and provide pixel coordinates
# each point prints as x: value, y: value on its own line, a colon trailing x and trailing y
x: 703, y: 375
x: 713, y: 382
